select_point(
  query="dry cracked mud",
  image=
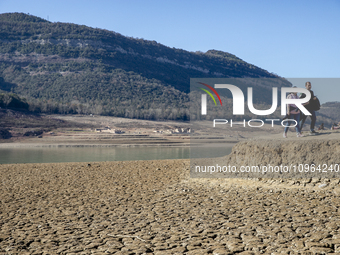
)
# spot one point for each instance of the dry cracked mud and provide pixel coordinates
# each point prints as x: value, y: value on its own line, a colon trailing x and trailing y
x: 153, y: 207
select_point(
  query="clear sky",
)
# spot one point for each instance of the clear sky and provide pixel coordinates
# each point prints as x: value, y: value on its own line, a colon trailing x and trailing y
x: 294, y: 39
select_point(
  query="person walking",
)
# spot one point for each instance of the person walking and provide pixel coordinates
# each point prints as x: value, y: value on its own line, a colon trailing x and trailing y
x: 310, y: 107
x: 293, y: 113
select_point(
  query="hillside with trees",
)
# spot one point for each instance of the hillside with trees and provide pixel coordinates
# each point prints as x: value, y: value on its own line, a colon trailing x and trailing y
x: 69, y: 68
x: 329, y: 113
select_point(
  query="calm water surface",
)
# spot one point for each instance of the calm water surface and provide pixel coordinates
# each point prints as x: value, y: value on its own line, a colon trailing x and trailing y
x: 92, y: 154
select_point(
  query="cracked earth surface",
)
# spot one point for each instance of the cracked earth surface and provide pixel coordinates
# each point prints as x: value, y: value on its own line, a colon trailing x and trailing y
x: 153, y: 207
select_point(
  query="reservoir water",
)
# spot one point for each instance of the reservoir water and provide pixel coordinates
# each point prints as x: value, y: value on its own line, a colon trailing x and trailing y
x: 92, y: 154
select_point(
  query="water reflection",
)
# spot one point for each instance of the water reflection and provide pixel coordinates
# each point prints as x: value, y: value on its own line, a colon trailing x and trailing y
x: 91, y: 154
x: 85, y: 154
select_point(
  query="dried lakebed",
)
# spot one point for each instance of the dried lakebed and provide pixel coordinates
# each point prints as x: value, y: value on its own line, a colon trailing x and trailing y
x: 153, y: 207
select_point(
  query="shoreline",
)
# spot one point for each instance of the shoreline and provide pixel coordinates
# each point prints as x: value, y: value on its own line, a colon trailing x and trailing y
x: 34, y: 145
x: 105, y: 145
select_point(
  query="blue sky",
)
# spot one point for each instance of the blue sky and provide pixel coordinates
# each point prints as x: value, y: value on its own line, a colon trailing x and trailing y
x: 294, y: 39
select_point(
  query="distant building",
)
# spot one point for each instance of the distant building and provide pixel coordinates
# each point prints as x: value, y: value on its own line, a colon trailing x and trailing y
x: 177, y: 130
x: 109, y: 130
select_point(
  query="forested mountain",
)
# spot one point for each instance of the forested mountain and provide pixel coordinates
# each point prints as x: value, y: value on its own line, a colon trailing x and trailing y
x: 329, y: 113
x: 69, y: 68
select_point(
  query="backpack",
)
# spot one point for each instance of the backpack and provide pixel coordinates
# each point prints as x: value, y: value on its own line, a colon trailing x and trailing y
x: 316, y: 104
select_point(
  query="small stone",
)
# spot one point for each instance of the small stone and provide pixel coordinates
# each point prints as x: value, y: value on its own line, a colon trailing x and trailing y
x: 221, y: 251
x: 320, y: 250
x: 235, y: 247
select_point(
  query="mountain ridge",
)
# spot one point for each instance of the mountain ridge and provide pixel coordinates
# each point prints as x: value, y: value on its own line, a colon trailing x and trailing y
x: 39, y: 57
